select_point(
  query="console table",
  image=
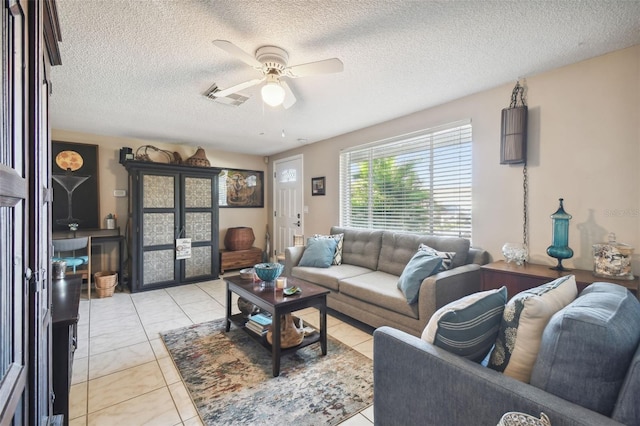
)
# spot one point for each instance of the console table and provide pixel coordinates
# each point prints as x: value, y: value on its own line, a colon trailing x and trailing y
x: 99, y: 237
x: 65, y: 301
x: 518, y: 278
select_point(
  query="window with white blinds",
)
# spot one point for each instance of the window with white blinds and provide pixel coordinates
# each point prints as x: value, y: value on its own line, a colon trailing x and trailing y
x: 419, y: 182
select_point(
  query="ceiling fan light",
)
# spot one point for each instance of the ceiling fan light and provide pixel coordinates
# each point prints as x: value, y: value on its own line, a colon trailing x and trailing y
x: 273, y: 94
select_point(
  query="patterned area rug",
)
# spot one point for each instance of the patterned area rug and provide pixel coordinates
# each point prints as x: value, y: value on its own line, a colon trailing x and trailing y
x: 230, y: 379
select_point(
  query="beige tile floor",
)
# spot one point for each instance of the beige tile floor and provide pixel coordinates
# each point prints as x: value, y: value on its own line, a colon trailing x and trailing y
x: 122, y: 373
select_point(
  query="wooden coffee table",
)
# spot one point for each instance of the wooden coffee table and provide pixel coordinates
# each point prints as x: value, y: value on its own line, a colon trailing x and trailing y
x: 277, y: 304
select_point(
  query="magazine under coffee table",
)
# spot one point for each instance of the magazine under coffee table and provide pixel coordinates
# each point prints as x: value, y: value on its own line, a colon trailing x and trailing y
x: 277, y: 304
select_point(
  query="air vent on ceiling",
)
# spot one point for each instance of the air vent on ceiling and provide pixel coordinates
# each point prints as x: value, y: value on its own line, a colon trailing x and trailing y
x: 234, y: 99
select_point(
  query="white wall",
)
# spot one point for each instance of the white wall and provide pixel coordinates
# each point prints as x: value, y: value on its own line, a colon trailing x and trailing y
x: 113, y: 175
x: 584, y: 146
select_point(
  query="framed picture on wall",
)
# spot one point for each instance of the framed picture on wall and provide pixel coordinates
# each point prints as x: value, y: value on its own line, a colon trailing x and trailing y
x: 74, y: 173
x: 241, y: 188
x: 317, y: 186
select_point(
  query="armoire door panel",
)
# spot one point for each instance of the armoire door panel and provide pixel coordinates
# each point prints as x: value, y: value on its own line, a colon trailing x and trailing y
x: 199, y: 263
x: 197, y: 192
x: 158, y: 192
x: 198, y: 226
x: 158, y: 229
x: 158, y: 266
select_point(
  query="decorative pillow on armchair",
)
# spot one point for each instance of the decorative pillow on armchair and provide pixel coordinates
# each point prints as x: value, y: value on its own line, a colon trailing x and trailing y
x: 523, y: 321
x: 468, y: 327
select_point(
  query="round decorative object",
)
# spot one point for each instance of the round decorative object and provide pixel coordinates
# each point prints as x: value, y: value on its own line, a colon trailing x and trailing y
x: 247, y: 273
x: 240, y: 238
x: 247, y: 308
x: 69, y: 160
x: 515, y: 252
x: 268, y: 271
x: 514, y: 418
x: 199, y: 159
x: 290, y: 335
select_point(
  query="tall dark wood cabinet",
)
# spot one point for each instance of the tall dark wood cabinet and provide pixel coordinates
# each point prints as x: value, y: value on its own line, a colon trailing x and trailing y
x: 167, y: 203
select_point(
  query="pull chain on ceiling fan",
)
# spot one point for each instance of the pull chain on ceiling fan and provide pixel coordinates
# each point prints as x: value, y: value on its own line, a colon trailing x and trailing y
x: 272, y: 62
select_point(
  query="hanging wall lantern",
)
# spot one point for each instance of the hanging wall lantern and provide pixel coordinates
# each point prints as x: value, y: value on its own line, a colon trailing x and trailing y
x: 513, y: 137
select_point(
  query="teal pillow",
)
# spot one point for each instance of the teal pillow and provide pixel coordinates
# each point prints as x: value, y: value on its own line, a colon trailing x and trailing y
x: 319, y: 252
x: 421, y: 265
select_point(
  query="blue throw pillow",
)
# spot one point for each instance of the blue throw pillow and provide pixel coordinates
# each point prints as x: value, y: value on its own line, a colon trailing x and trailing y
x: 421, y: 265
x: 319, y: 252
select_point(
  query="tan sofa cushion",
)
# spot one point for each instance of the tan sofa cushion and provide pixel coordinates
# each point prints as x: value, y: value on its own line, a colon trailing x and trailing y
x: 328, y: 277
x: 379, y: 288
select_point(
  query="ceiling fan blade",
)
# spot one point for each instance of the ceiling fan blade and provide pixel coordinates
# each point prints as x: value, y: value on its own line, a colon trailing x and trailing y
x: 237, y: 88
x: 327, y: 66
x: 289, y: 97
x: 238, y: 53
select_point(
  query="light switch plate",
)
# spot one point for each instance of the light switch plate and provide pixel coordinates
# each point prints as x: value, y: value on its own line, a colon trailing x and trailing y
x: 119, y: 192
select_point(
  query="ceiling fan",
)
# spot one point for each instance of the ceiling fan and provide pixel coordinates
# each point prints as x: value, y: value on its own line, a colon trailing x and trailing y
x: 272, y: 62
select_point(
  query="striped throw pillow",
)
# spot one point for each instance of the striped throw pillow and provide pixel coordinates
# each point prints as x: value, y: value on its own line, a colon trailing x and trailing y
x: 469, y: 326
x: 447, y: 256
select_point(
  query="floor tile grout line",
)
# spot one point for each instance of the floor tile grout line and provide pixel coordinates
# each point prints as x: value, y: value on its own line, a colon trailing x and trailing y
x: 86, y: 410
x: 168, y: 385
x: 129, y: 399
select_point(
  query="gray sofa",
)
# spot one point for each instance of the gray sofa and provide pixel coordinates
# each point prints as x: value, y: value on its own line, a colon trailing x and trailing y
x: 364, y: 286
x: 586, y: 373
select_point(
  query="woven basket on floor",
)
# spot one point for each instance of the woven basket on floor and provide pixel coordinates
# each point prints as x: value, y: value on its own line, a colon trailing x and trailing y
x: 106, y: 283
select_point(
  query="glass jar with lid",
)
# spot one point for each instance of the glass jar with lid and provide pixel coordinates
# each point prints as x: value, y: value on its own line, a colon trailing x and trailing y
x: 612, y: 259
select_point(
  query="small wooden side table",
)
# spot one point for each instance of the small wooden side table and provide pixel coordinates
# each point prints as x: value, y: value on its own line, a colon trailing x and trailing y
x: 239, y: 258
x: 518, y: 278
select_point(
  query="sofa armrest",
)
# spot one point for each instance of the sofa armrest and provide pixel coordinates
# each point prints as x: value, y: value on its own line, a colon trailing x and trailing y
x: 292, y: 256
x: 418, y: 383
x: 445, y: 287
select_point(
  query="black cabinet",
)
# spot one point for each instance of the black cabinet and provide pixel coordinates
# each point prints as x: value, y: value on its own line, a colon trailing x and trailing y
x: 172, y: 208
x: 65, y: 300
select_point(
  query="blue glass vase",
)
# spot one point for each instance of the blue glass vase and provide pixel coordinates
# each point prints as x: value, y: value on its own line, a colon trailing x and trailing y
x: 560, y: 238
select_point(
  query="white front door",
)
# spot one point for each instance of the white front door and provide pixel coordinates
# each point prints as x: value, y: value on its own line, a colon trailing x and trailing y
x: 288, y: 202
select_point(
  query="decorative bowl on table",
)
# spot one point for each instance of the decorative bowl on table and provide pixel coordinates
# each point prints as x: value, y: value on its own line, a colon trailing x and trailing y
x: 246, y: 273
x: 268, y: 271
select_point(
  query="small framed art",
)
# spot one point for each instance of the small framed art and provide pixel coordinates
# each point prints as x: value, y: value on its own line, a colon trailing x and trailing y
x: 317, y: 186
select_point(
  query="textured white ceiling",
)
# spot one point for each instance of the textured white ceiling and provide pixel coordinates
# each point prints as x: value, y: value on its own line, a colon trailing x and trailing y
x: 139, y: 68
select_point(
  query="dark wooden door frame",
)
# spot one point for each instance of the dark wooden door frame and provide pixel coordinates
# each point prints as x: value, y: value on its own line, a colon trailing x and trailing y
x: 29, y: 46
